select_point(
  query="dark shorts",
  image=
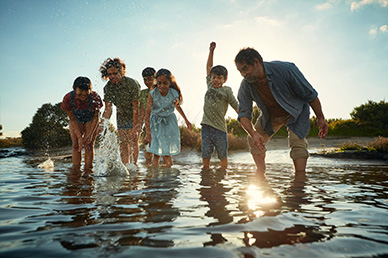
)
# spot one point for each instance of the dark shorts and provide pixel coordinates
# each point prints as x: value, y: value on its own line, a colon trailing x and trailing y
x: 124, y: 125
x: 214, y: 138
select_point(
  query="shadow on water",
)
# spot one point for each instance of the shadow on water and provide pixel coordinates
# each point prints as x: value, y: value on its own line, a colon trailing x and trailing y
x: 335, y: 210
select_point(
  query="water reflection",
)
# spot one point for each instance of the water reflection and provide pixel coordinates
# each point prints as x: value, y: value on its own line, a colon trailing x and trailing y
x: 258, y: 199
x: 340, y: 208
x: 213, y: 192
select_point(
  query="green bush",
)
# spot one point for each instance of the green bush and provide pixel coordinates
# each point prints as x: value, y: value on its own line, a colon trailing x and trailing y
x: 48, y: 128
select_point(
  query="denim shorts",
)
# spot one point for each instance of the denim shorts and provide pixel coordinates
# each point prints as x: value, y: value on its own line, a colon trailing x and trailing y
x: 126, y: 125
x: 214, y: 138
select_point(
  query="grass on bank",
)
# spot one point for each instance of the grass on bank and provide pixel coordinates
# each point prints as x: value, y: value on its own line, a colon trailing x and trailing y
x: 380, y: 144
x: 11, y: 142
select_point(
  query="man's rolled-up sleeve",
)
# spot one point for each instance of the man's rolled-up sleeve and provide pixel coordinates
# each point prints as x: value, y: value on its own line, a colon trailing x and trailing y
x: 245, y: 102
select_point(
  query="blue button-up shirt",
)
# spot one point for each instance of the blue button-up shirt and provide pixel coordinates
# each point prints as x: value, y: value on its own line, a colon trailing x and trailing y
x: 290, y: 89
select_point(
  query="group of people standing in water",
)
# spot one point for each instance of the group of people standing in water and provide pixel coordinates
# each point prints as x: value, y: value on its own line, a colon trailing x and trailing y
x: 279, y: 90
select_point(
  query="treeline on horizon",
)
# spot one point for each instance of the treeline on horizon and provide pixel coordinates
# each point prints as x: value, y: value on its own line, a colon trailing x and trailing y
x: 49, y: 127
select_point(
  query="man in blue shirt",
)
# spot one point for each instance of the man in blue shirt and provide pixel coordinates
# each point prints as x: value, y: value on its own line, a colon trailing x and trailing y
x: 284, y: 97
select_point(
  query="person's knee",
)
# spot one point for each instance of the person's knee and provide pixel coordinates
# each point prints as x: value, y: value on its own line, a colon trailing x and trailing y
x: 299, y: 153
x: 89, y: 146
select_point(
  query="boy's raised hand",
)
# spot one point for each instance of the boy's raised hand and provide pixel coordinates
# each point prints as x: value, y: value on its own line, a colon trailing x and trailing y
x: 212, y: 46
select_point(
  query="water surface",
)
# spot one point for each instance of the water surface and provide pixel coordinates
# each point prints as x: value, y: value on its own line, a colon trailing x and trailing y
x: 338, y: 210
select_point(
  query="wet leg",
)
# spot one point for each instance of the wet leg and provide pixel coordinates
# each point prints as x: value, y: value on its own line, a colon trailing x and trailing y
x: 167, y: 161
x: 300, y: 165
x: 155, y: 162
x: 260, y: 162
x: 206, y: 163
x: 224, y: 163
x: 124, y: 145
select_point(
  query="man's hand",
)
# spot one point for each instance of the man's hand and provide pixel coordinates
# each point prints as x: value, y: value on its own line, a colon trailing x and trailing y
x: 258, y: 140
x: 323, y: 128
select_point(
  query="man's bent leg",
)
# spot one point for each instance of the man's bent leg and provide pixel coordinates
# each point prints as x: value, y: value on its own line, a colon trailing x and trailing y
x: 260, y: 162
x: 299, y: 153
x: 300, y: 165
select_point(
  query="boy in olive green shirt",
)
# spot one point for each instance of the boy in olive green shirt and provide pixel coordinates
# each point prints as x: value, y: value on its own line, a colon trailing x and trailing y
x: 217, y: 100
x: 148, y: 75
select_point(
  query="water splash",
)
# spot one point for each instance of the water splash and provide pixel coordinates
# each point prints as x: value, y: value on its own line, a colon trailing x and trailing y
x: 108, y: 162
x: 48, y: 164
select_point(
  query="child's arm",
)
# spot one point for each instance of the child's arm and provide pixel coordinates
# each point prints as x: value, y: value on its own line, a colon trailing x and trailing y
x: 180, y: 110
x: 147, y: 139
x: 94, y: 124
x: 209, y: 63
x: 108, y: 110
x: 73, y: 126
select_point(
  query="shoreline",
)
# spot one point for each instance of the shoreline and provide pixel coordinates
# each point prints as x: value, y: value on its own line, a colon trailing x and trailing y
x: 326, y: 148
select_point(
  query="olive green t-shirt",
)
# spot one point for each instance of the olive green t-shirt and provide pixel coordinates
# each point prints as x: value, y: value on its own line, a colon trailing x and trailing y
x: 143, y: 98
x: 216, y: 105
x: 122, y: 95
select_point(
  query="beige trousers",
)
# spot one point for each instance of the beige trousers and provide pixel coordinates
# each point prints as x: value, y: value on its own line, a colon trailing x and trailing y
x: 298, y: 146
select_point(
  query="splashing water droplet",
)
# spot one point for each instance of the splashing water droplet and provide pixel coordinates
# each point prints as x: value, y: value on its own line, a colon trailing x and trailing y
x: 48, y: 164
x: 108, y: 161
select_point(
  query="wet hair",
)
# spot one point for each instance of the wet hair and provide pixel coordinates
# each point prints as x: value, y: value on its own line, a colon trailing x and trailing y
x: 248, y: 55
x: 172, y: 80
x: 109, y: 63
x: 219, y: 70
x: 83, y: 83
x: 148, y: 71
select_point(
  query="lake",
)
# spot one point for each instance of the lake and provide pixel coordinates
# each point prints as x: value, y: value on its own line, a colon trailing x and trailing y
x: 339, y: 209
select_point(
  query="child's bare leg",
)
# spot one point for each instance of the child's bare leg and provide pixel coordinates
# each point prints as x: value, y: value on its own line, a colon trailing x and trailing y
x: 148, y: 157
x: 89, y: 156
x: 206, y: 163
x: 124, y: 145
x: 89, y: 146
x: 76, y: 154
x: 155, y: 162
x: 167, y: 160
x: 133, y: 146
x: 224, y: 163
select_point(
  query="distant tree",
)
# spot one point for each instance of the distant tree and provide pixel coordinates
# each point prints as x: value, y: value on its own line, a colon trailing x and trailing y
x: 48, y: 128
x: 372, y: 117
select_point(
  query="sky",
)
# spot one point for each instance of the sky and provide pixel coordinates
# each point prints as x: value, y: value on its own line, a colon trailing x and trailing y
x: 341, y: 47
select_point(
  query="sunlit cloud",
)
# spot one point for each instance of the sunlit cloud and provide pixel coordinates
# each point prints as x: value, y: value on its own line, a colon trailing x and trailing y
x: 356, y: 5
x: 267, y: 20
x: 373, y: 32
x: 324, y: 6
x: 384, y: 28
x: 235, y: 23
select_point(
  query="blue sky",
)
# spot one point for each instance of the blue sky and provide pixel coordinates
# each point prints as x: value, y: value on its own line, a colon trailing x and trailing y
x: 341, y: 46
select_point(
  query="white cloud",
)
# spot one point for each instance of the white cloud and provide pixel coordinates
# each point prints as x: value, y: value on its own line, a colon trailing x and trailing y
x: 324, y: 6
x: 267, y: 20
x: 356, y: 5
x: 373, y: 32
x: 384, y: 28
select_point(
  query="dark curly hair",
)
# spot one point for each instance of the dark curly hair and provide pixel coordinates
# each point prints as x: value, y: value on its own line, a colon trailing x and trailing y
x: 112, y: 62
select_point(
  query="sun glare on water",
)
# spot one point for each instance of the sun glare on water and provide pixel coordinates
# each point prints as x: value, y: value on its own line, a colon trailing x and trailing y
x: 258, y: 198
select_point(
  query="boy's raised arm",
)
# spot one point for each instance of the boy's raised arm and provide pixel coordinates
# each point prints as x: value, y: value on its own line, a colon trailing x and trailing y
x: 209, y: 63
